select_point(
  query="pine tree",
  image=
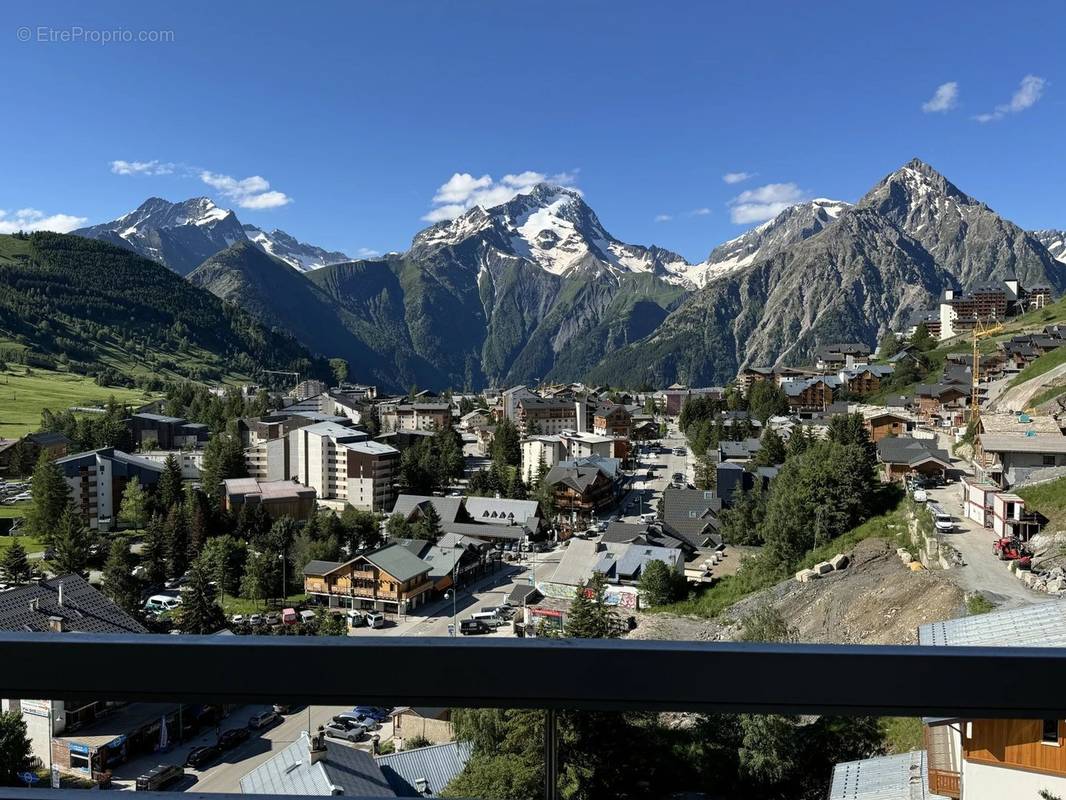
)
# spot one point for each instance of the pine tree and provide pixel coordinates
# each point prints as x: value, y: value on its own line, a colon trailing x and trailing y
x: 154, y: 554
x: 428, y: 526
x: 134, y: 506
x: 176, y: 533
x: 14, y: 565
x: 119, y: 583
x: 51, y: 499
x: 169, y: 488
x: 200, y: 612
x: 590, y: 617
x: 72, y: 544
x: 15, y: 747
x: 196, y: 510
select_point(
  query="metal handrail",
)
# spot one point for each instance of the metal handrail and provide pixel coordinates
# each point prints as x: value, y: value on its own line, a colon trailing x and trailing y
x: 961, y: 682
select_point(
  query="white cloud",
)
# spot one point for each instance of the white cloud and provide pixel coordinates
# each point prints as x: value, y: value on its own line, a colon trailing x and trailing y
x: 253, y: 192
x: 699, y: 212
x: 367, y: 252
x: 738, y: 177
x: 945, y: 98
x: 663, y: 217
x: 1029, y: 91
x: 30, y: 219
x: 153, y: 167
x: 764, y: 202
x: 462, y: 191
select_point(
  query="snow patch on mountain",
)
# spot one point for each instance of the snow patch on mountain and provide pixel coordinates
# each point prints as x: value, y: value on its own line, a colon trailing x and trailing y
x: 299, y: 255
x: 1054, y: 241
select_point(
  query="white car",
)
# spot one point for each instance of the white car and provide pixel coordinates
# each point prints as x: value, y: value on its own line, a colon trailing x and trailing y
x: 920, y: 496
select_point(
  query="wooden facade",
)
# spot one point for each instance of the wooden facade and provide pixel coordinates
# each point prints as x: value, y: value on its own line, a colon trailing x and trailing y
x: 887, y: 424
x: 361, y: 584
x: 1017, y: 744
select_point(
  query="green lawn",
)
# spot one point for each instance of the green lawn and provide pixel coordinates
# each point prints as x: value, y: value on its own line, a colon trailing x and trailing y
x: 29, y: 543
x: 238, y: 605
x: 1050, y: 500
x: 23, y: 397
x: 17, y: 510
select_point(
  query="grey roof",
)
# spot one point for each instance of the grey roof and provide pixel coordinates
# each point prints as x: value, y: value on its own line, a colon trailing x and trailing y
x: 488, y: 509
x: 84, y: 609
x: 742, y: 449
x: 448, y: 508
x: 351, y: 771
x: 910, y: 451
x: 900, y: 777
x: 1025, y: 443
x: 522, y: 594
x: 688, y: 513
x: 1039, y: 625
x: 487, y: 531
x: 633, y: 559
x: 437, y: 765
x: 160, y: 418
x: 397, y: 561
x: 320, y: 567
x: 46, y: 438
x: 578, y: 478
x: 115, y: 456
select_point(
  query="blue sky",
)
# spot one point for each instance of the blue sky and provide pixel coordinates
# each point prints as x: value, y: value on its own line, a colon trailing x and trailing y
x: 357, y: 113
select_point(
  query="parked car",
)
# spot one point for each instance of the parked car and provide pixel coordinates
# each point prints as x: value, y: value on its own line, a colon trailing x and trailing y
x: 351, y: 718
x: 264, y: 720
x: 159, y: 603
x: 349, y: 732
x: 474, y: 626
x: 273, y: 618
x: 233, y: 737
x: 282, y: 708
x: 238, y: 619
x: 355, y: 618
x: 375, y: 619
x: 920, y: 496
x: 158, y: 777
x: 200, y: 757
x: 376, y: 713
x: 289, y: 616
x: 255, y: 619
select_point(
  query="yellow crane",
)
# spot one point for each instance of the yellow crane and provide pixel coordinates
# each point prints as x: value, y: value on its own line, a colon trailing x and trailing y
x: 981, y: 330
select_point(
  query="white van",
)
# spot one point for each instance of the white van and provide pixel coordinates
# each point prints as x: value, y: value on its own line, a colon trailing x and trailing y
x: 375, y: 619
x: 158, y: 603
x: 649, y: 518
x: 490, y: 618
x: 307, y: 615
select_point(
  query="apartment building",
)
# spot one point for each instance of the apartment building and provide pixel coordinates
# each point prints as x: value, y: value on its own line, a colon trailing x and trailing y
x: 415, y: 416
x: 612, y: 419
x: 549, y: 415
x: 278, y: 498
x: 342, y: 465
x: 388, y: 579
x: 568, y: 444
x: 97, y: 479
x: 156, y: 431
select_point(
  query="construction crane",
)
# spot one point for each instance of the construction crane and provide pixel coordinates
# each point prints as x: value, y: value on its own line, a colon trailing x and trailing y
x: 981, y: 331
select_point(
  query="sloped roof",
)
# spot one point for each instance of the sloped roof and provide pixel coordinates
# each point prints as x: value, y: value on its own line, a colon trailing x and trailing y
x: 84, y: 609
x: 437, y: 765
x: 578, y: 478
x: 906, y: 450
x: 1038, y: 625
x: 398, y: 561
x: 898, y: 777
x: 491, y: 509
x: 449, y: 509
x: 354, y: 772
x: 1036, y: 443
x: 318, y: 568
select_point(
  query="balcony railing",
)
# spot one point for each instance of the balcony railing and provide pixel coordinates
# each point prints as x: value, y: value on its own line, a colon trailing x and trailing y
x: 737, y: 677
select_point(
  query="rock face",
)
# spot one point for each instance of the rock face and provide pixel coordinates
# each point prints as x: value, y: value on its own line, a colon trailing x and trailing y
x: 791, y: 226
x: 860, y: 276
x: 1054, y: 241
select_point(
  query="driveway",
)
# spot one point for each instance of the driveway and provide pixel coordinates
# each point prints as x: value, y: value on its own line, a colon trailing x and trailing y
x: 983, y: 572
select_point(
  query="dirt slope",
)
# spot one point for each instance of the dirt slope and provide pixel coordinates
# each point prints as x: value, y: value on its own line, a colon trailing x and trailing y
x: 876, y: 600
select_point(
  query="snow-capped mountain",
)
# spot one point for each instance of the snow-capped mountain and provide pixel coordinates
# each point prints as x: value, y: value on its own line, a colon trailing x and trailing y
x: 179, y: 235
x: 184, y: 235
x: 553, y: 227
x: 1054, y: 241
x: 302, y: 256
x: 792, y: 225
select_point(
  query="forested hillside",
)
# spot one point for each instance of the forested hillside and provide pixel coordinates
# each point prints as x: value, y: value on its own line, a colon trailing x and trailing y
x: 97, y: 309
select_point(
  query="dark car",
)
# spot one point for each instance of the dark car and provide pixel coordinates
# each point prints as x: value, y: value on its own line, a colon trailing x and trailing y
x: 201, y: 756
x: 474, y: 626
x: 233, y: 737
x: 158, y: 777
x: 376, y: 713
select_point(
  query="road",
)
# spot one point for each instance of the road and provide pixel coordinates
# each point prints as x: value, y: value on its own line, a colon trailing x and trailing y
x: 984, y: 572
x: 645, y: 493
x: 225, y: 774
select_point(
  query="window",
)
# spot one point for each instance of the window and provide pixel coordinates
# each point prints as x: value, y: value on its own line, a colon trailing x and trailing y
x: 1049, y: 461
x: 1050, y: 732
